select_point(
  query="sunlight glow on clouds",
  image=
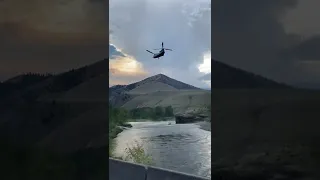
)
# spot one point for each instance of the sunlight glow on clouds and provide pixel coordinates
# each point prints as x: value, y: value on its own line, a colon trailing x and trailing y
x: 125, y: 66
x: 205, y: 67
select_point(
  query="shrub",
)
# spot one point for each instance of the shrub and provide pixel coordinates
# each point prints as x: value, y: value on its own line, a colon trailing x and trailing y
x: 137, y: 154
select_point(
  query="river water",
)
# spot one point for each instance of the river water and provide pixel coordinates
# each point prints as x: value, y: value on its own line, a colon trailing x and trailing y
x: 180, y: 147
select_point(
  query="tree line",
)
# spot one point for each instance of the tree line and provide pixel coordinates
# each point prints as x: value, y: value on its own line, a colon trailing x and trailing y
x: 151, y: 113
x: 118, y: 116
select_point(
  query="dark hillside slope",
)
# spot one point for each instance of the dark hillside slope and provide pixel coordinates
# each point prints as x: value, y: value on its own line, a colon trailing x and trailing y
x: 31, y: 86
x: 21, y: 96
x: 21, y: 82
x: 225, y: 76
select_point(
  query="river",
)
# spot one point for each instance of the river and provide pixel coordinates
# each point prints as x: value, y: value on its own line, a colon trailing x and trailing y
x: 180, y: 147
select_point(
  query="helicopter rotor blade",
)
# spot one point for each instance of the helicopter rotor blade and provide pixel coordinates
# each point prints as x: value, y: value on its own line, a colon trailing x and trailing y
x: 168, y: 49
x: 149, y: 51
x: 157, y: 49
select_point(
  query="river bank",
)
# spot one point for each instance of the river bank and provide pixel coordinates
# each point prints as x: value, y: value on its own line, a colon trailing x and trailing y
x: 189, y: 145
x: 205, y: 125
x: 113, y: 133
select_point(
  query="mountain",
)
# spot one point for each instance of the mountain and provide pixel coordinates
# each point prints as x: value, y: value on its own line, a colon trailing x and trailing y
x: 31, y: 87
x: 120, y: 94
x: 159, y: 78
x: 66, y: 99
x: 34, y: 108
x: 225, y: 76
x: 67, y: 112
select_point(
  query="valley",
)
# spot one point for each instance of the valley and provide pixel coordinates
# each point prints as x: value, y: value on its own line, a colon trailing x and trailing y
x: 254, y: 120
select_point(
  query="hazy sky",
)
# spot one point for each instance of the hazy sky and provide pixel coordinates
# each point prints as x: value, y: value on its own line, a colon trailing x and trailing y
x: 275, y: 38
x: 182, y: 25
x: 51, y: 35
x: 278, y: 39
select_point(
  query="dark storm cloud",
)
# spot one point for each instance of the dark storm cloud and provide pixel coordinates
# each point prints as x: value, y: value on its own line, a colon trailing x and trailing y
x: 249, y: 34
x: 307, y: 50
x: 47, y: 36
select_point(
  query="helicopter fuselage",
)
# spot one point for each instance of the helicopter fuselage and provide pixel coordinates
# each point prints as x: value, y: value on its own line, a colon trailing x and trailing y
x: 161, y: 53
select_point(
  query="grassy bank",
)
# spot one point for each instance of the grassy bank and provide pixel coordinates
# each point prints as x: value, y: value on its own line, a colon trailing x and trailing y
x: 118, y: 117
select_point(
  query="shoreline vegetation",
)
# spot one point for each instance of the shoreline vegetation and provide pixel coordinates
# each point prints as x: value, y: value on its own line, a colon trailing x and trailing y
x: 119, y: 117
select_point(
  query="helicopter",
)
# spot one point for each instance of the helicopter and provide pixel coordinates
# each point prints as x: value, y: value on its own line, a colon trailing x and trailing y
x: 160, y: 53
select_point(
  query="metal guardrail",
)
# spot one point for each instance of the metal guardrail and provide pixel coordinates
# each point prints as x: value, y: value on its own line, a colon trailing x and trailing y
x: 121, y: 170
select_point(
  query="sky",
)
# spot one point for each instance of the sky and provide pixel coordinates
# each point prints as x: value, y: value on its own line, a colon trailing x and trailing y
x: 52, y: 35
x: 182, y: 25
x: 278, y: 39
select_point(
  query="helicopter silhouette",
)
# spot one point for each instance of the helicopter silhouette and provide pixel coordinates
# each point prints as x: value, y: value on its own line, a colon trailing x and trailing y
x: 160, y: 53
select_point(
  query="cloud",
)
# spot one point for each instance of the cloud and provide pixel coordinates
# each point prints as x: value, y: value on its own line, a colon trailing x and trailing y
x: 81, y: 19
x: 51, y: 36
x: 253, y: 35
x: 114, y: 52
x: 208, y: 82
x: 124, y: 69
x: 307, y: 56
x: 182, y: 25
x: 206, y: 77
x: 306, y: 50
x: 205, y: 66
x: 302, y: 19
x: 126, y: 66
x: 253, y: 39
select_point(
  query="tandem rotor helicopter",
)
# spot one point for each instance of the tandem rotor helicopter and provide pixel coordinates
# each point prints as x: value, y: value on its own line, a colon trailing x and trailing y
x: 160, y: 53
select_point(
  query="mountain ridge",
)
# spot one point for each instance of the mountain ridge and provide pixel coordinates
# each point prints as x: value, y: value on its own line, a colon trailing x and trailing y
x: 226, y: 76
x: 157, y: 78
x: 120, y: 94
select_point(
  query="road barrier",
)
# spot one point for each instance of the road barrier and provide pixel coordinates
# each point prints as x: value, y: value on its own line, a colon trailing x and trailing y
x: 121, y: 170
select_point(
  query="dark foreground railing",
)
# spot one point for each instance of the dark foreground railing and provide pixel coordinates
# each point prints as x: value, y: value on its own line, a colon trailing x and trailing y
x: 121, y: 170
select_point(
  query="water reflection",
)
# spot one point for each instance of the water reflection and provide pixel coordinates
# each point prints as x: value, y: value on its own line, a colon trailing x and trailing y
x: 180, y: 147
